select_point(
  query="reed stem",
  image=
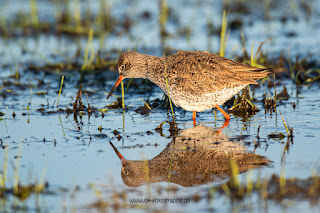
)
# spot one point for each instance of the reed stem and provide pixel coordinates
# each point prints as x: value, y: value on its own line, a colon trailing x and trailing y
x: 223, y: 33
x: 62, y: 79
x: 165, y: 68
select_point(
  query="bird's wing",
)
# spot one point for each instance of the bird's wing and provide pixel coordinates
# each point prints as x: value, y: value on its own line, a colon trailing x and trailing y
x: 203, y: 72
x: 236, y: 72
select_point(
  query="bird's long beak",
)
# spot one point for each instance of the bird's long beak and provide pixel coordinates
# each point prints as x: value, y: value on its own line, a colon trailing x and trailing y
x: 123, y: 160
x: 120, y: 78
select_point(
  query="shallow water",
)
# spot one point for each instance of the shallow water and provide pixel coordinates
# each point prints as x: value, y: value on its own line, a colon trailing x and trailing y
x: 71, y: 153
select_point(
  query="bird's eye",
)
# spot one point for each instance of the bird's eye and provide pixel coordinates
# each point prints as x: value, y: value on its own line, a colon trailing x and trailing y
x: 123, y: 67
x: 126, y: 172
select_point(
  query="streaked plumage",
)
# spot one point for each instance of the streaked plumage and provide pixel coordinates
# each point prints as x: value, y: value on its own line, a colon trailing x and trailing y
x: 197, y: 80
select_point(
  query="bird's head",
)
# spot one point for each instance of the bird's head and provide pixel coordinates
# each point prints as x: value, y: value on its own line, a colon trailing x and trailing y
x: 130, y: 65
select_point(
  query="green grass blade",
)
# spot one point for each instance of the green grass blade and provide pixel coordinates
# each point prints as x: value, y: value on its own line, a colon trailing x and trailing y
x: 34, y: 13
x: 122, y: 94
x: 145, y: 103
x: 86, y: 53
x: 223, y: 33
x: 5, y: 168
x: 165, y: 69
x: 62, y: 79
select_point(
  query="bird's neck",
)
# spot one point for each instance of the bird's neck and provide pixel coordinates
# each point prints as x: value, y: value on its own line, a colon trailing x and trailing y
x: 155, y: 68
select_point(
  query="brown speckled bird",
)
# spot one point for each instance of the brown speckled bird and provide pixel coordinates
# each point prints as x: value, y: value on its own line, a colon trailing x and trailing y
x: 197, y: 80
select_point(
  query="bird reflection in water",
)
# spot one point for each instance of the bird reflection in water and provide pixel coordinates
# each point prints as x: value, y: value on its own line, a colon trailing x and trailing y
x: 196, y: 156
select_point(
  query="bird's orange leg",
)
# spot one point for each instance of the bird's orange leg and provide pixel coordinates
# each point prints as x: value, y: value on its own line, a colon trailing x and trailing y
x: 194, y: 115
x: 226, y: 115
